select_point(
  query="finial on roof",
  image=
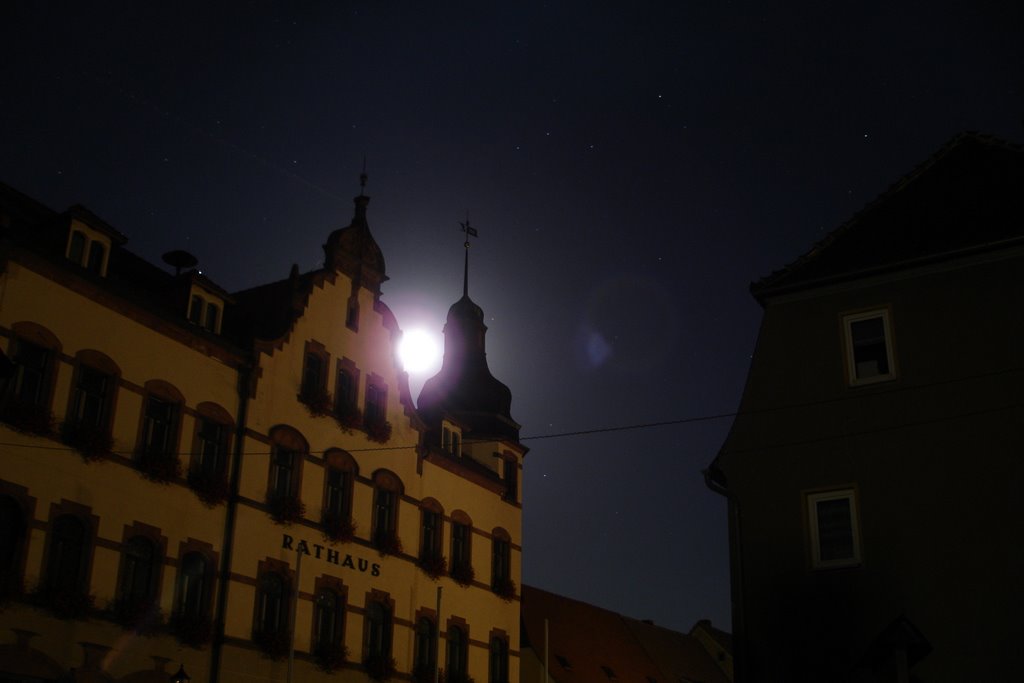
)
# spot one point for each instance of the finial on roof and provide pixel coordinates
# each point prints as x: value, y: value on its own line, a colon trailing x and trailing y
x: 362, y: 179
x: 470, y: 232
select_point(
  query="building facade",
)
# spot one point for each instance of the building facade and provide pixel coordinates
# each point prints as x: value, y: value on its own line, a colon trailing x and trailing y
x: 240, y: 483
x: 874, y: 469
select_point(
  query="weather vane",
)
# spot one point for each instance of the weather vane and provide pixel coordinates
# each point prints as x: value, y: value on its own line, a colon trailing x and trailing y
x: 470, y: 232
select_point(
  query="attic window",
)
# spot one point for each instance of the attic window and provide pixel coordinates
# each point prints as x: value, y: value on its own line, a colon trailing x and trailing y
x: 88, y: 249
x: 451, y: 440
x: 204, y: 312
x: 563, y: 662
x: 868, y: 347
x: 609, y: 673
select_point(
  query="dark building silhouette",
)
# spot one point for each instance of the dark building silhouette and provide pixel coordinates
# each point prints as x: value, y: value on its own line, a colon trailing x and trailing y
x: 875, y: 470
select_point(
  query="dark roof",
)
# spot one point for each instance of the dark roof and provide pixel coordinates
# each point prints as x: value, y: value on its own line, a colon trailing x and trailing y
x: 968, y: 196
x: 590, y: 639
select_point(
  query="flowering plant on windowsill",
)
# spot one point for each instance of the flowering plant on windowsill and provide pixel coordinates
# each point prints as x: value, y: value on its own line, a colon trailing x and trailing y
x: 141, y: 616
x: 388, y: 544
x: 191, y: 630
x: 27, y: 417
x: 449, y: 677
x: 63, y: 604
x: 377, y: 430
x: 504, y: 589
x: 462, y: 573
x: 285, y: 509
x: 317, y: 401
x: 91, y: 442
x: 273, y: 645
x: 338, y: 529
x: 330, y: 658
x: 379, y: 667
x: 434, y: 566
x: 159, y: 467
x: 348, y: 416
x: 212, y: 489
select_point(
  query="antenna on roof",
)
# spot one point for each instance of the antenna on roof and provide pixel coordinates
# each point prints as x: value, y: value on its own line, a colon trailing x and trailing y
x: 179, y: 259
x: 470, y: 232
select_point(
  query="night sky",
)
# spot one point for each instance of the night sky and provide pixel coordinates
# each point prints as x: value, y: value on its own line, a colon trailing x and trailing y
x: 630, y: 167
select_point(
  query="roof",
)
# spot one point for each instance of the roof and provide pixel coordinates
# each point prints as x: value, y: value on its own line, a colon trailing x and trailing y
x: 968, y: 196
x: 588, y: 644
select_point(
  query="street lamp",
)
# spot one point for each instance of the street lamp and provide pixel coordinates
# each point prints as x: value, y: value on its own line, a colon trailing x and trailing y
x: 181, y: 676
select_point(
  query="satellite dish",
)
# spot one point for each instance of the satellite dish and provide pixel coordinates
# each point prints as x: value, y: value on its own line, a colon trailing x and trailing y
x: 180, y: 259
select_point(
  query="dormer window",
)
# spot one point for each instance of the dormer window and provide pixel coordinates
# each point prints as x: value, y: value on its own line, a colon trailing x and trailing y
x: 204, y: 310
x: 88, y: 248
x: 451, y: 440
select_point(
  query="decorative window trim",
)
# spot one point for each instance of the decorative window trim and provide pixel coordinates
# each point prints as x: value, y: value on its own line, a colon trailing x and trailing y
x: 814, y: 529
x: 161, y: 464
x: 460, y: 672
x: 461, y: 569
x: 313, y: 388
x: 848, y: 320
x: 431, y: 559
x: 329, y: 656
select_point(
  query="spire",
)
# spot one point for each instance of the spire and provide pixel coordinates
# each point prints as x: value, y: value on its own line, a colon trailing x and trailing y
x: 465, y: 389
x: 470, y: 232
x: 353, y: 250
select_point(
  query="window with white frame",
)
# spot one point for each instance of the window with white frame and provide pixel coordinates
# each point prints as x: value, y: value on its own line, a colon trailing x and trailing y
x: 835, y: 537
x: 204, y: 310
x: 88, y: 248
x: 869, y: 356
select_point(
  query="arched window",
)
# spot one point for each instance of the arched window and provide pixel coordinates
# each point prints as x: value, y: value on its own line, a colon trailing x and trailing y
x: 431, y: 525
x: 378, y: 632
x: 283, y: 483
x: 387, y: 491
x: 65, y: 567
x: 456, y: 655
x: 193, y: 587
x: 328, y: 619
x: 424, y: 651
x: 12, y: 541
x: 461, y: 565
x: 498, y: 661
x: 159, y: 437
x: 501, y: 564
x: 271, y: 599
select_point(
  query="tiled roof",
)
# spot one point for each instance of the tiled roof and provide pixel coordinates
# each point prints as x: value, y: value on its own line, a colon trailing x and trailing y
x: 968, y: 196
x: 588, y: 644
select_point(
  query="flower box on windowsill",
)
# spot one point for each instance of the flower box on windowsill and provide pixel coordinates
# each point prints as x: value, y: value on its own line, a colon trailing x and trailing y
x: 447, y: 677
x: 377, y: 430
x: 285, y: 509
x: 388, y: 544
x: 317, y: 402
x: 379, y: 668
x: 273, y: 645
x: 338, y: 529
x: 330, y: 658
x: 162, y: 468
x: 462, y: 573
x: 64, y: 604
x: 348, y: 417
x: 212, y: 489
x: 434, y: 566
x: 28, y: 417
x: 140, y: 616
x: 194, y: 632
x: 504, y: 589
x: 91, y: 442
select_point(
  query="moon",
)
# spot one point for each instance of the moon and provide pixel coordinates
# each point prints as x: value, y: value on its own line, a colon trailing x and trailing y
x: 418, y: 351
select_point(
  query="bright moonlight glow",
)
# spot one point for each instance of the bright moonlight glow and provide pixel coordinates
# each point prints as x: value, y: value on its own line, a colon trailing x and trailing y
x: 418, y: 351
